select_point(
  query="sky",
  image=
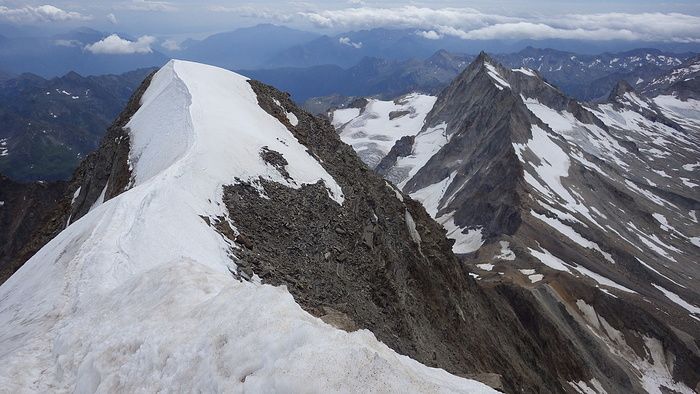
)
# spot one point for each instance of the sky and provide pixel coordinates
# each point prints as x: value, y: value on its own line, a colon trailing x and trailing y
x: 146, y: 22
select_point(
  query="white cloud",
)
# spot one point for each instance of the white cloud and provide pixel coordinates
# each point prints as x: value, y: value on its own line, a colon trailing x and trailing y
x: 470, y: 24
x: 347, y: 41
x: 406, y: 16
x: 430, y: 34
x: 43, y: 13
x: 538, y: 31
x: 112, y: 18
x: 171, y: 45
x: 115, y: 45
x: 148, y: 5
x: 253, y: 12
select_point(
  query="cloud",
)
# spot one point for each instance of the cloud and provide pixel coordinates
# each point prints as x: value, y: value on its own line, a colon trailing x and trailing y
x: 537, y: 31
x: 112, y: 18
x: 471, y: 24
x: 430, y: 34
x: 406, y: 16
x: 115, y: 45
x: 347, y: 41
x: 148, y: 5
x: 252, y: 12
x: 43, y: 13
x: 171, y: 45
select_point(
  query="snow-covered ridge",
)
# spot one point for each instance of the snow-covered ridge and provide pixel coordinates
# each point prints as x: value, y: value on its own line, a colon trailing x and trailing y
x: 678, y: 74
x: 219, y: 135
x: 137, y: 294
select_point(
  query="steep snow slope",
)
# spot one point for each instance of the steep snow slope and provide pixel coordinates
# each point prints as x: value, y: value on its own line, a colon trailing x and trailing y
x: 599, y: 200
x: 138, y: 294
x: 375, y: 128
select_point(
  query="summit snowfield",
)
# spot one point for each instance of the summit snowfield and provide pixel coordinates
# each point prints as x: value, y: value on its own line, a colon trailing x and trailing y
x: 140, y: 293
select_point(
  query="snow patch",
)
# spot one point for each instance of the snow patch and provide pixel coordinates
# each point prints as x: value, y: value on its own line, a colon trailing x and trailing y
x: 534, y: 278
x: 572, y: 235
x: 694, y: 310
x: 411, y: 225
x: 549, y: 259
x: 601, y: 279
x: 501, y: 83
x: 75, y: 195
x: 505, y: 252
x: 465, y: 242
x: 525, y: 71
x: 427, y: 143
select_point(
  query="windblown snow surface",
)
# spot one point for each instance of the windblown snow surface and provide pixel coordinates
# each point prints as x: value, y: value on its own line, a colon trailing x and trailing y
x: 137, y: 296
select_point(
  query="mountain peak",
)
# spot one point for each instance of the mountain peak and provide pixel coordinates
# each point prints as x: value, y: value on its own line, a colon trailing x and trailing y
x: 621, y: 88
x: 440, y: 55
x: 483, y: 57
x: 208, y: 154
x: 525, y: 167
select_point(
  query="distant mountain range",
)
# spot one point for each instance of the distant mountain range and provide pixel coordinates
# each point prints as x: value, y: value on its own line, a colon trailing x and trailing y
x: 585, y: 77
x: 47, y: 126
x: 269, y: 46
x: 44, y: 132
x: 348, y: 48
x: 369, y: 77
x: 682, y: 80
x: 250, y: 47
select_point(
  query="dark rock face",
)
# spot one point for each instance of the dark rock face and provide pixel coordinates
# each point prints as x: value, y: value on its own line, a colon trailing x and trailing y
x: 380, y: 262
x: 487, y: 172
x: 276, y: 160
x: 24, y: 207
x: 401, y: 148
x: 620, y: 89
x: 397, y: 114
x: 103, y: 175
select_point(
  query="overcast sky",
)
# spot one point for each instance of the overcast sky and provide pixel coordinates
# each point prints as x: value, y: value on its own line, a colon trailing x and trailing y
x: 637, y: 20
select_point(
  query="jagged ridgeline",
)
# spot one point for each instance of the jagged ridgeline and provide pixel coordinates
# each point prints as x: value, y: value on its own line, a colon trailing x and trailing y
x: 589, y: 208
x: 198, y: 247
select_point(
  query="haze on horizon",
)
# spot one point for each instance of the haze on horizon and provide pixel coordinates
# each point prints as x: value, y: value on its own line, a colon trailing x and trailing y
x: 148, y: 25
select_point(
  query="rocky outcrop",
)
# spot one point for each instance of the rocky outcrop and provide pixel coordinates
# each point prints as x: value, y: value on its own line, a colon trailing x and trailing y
x: 401, y: 148
x: 24, y: 207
